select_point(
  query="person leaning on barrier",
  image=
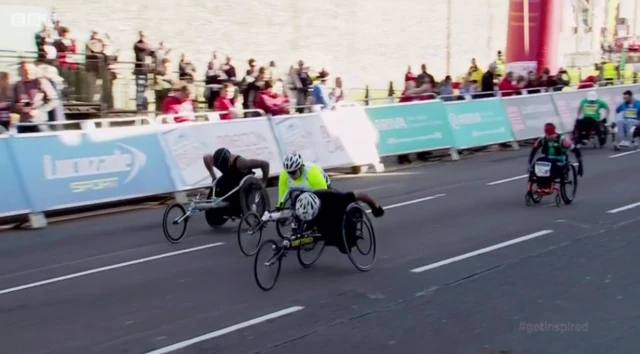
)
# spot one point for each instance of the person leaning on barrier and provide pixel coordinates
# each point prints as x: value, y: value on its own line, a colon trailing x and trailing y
x: 33, y: 98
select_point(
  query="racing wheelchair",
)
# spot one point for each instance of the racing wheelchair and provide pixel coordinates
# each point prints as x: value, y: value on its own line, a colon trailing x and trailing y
x: 305, y: 240
x: 247, y: 197
x: 592, y: 137
x: 544, y: 181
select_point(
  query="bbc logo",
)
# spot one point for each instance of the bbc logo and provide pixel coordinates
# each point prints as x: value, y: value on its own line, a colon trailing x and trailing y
x: 29, y: 19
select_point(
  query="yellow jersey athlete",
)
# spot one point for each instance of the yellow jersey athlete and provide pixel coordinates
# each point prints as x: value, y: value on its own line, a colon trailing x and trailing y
x: 297, y: 174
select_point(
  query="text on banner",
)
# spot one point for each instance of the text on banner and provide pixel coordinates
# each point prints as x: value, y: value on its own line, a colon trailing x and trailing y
x: 478, y: 122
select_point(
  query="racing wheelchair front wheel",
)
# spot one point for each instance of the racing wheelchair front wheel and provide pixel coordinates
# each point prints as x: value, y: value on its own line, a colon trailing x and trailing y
x: 356, y: 231
x: 268, y: 258
x: 569, y: 184
x: 250, y: 234
x: 312, y: 252
x: 174, y: 213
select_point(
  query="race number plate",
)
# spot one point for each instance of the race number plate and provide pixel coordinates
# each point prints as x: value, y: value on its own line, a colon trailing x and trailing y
x: 543, y: 169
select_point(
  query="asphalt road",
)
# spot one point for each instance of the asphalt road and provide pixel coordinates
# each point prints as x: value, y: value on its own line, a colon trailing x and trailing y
x: 569, y: 286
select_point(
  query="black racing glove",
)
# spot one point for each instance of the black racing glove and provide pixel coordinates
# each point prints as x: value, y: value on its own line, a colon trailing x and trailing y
x: 377, y: 211
x: 580, y: 168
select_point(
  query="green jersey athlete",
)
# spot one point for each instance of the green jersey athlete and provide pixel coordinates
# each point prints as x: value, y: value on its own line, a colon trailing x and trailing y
x: 590, y: 118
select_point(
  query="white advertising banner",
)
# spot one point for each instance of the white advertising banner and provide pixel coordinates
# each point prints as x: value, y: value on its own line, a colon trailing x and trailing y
x: 186, y: 144
x: 342, y: 137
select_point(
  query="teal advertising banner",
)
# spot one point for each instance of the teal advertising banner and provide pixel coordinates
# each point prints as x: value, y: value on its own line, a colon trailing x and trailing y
x: 410, y: 127
x: 478, y: 123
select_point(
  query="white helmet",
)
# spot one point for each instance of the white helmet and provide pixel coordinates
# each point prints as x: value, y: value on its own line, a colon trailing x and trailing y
x: 307, y: 206
x: 292, y: 162
x: 592, y: 96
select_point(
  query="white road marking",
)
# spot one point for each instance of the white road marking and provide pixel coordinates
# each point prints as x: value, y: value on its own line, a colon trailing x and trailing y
x: 481, y: 251
x: 104, y: 269
x: 226, y: 330
x: 390, y: 185
x: 409, y: 202
x: 626, y: 207
x: 506, y: 180
x: 623, y: 154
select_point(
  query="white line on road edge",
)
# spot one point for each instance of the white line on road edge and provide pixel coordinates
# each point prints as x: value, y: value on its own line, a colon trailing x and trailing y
x: 506, y: 180
x: 626, y: 207
x: 227, y: 330
x: 481, y: 251
x: 624, y: 153
x: 409, y: 202
x: 103, y: 269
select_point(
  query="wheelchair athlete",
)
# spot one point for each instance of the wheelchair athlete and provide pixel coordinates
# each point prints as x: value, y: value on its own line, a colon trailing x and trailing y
x: 233, y: 168
x: 297, y: 174
x: 325, y: 210
x: 589, y: 119
x: 554, y: 149
x: 630, y: 118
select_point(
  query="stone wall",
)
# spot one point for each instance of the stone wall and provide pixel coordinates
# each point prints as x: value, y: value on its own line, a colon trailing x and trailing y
x: 364, y: 41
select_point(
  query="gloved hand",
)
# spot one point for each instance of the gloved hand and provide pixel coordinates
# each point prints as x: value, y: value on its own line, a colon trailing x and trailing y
x: 580, y: 169
x: 377, y: 211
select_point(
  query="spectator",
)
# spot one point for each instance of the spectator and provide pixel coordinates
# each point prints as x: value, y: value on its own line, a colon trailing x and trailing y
x: 110, y: 75
x: 273, y: 75
x: 487, y: 84
x: 468, y: 88
x: 302, y: 83
x: 224, y: 103
x: 5, y: 100
x: 66, y: 48
x: 229, y: 71
x: 45, y: 45
x: 160, y: 54
x: 143, y: 52
x: 549, y: 81
x: 215, y: 61
x: 253, y: 68
x: 533, y: 84
x: 507, y: 87
x: 337, y: 94
x: 474, y: 72
x: 500, y: 65
x: 407, y: 94
x: 320, y: 95
x: 521, y: 82
x: 563, y: 78
x: 94, y: 59
x: 250, y: 85
x: 445, y: 89
x: 187, y: 70
x: 409, y: 74
x: 213, y: 81
x: 427, y: 91
x: 424, y: 75
x: 270, y: 102
x: 180, y: 104
x: 33, y: 98
x: 164, y: 80
x: 50, y: 73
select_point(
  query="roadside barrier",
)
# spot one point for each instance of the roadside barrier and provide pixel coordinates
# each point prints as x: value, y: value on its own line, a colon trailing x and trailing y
x: 65, y: 169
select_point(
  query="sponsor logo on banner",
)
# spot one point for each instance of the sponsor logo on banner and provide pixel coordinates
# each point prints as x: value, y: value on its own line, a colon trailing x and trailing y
x: 92, y: 167
x: 253, y: 144
x: 529, y: 114
x: 478, y: 122
x: 296, y: 136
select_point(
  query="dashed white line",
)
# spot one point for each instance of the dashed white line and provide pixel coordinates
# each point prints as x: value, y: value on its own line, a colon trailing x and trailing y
x: 481, y: 251
x: 626, y: 207
x: 226, y: 330
x: 623, y: 154
x: 506, y: 180
x: 415, y: 201
x: 104, y: 269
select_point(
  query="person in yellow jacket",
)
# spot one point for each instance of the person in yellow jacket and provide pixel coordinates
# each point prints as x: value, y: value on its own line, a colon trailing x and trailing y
x: 500, y: 65
x: 475, y: 73
x: 609, y: 73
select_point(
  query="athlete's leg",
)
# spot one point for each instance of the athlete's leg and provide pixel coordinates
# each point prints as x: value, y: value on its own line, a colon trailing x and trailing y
x: 622, y: 130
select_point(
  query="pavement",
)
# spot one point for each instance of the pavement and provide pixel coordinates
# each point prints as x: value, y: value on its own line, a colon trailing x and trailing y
x: 490, y: 275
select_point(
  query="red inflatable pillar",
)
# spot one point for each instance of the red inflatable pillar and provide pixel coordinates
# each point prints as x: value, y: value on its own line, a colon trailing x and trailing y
x: 550, y: 28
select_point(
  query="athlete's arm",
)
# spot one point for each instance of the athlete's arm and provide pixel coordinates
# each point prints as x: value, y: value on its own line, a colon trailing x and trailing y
x: 534, y: 150
x: 568, y: 144
x: 315, y: 177
x: 620, y: 108
x: 208, y: 164
x: 376, y: 209
x: 252, y: 164
x: 605, y: 106
x: 580, y: 108
x: 282, y: 187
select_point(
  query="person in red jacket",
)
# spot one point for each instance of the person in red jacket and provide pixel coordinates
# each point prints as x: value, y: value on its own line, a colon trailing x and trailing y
x: 588, y: 82
x: 224, y: 102
x: 507, y: 87
x: 270, y: 102
x: 179, y: 103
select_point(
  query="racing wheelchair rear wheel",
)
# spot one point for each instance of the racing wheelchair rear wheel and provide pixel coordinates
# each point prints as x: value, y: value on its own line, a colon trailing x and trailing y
x: 250, y: 234
x: 356, y: 230
x: 253, y: 196
x: 569, y: 184
x: 214, y: 217
x: 169, y: 219
x: 312, y: 251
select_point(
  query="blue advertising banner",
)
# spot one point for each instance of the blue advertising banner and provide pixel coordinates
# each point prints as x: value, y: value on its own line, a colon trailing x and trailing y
x: 14, y: 200
x: 76, y: 168
x: 478, y: 123
x: 410, y: 127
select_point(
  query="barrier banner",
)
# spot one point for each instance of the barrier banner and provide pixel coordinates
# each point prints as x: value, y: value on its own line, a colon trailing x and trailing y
x: 410, y: 127
x: 529, y: 114
x: 14, y: 200
x: 185, y: 145
x: 567, y: 104
x: 344, y: 137
x: 74, y: 168
x: 478, y: 122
